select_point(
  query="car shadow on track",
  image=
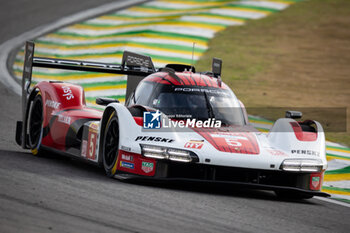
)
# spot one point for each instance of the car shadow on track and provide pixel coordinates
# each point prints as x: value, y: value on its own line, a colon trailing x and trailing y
x: 49, y: 165
x: 216, y: 189
x: 57, y: 165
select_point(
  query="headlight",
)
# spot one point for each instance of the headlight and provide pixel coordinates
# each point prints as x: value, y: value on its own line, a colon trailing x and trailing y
x: 302, y: 165
x: 179, y: 155
x: 158, y: 152
x: 154, y: 152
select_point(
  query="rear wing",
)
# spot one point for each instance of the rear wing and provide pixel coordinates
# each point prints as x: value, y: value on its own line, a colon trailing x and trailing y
x: 135, y: 66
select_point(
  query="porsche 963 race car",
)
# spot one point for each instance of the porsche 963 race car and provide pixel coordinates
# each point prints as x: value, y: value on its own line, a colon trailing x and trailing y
x: 176, y: 124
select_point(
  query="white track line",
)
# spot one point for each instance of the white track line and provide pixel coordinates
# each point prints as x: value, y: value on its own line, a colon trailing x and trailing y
x: 333, y: 201
x: 9, y: 45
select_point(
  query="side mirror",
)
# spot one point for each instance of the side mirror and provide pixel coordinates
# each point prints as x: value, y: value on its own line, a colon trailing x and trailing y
x: 294, y: 114
x: 216, y: 67
x: 105, y: 101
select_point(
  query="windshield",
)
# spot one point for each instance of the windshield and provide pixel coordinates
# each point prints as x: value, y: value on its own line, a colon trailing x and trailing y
x: 200, y: 104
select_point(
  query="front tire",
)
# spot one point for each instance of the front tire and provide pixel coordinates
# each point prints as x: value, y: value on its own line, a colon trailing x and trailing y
x: 35, y: 125
x: 110, y: 145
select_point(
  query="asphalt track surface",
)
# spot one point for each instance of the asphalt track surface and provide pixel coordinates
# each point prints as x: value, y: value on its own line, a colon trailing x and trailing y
x: 55, y: 194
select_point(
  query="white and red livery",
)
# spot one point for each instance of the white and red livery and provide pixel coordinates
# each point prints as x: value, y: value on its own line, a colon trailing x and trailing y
x: 290, y: 159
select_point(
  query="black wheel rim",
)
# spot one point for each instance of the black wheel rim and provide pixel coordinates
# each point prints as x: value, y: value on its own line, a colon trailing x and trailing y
x: 35, y: 124
x: 111, y: 143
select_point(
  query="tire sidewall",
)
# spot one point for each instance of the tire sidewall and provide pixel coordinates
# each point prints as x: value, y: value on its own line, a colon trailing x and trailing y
x: 36, y: 146
x: 111, y: 169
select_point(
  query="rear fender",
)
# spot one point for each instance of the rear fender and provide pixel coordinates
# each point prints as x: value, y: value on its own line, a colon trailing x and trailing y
x: 58, y: 96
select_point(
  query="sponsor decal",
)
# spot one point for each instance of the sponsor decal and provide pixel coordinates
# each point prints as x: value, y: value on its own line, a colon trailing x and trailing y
x: 153, y: 139
x: 127, y: 165
x: 147, y: 167
x: 93, y: 127
x: 194, y: 144
x: 153, y: 120
x: 67, y: 93
x: 64, y: 119
x: 125, y: 148
x: 306, y: 152
x: 127, y: 157
x: 315, y: 181
x: 232, y: 135
x: 52, y: 104
x: 83, y: 148
x: 138, y: 61
x: 212, y: 91
x: 276, y: 152
x: 27, y: 69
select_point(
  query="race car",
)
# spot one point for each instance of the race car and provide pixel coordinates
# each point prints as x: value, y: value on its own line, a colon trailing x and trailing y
x: 176, y: 124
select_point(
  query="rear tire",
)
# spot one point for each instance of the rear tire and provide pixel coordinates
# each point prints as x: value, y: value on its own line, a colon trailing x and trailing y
x: 35, y: 125
x: 291, y: 195
x: 110, y: 145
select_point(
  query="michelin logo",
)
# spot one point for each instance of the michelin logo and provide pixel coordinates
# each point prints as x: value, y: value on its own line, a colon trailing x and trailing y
x: 152, y: 120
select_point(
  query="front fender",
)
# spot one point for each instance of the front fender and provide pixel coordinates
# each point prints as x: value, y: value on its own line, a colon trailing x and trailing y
x: 127, y: 126
x: 130, y: 132
x: 282, y: 135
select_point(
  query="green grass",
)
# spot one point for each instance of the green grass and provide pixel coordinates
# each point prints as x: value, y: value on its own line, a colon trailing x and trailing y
x: 296, y: 58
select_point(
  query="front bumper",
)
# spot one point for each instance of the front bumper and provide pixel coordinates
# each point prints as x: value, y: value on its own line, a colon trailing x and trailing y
x: 236, y: 184
x: 275, y: 180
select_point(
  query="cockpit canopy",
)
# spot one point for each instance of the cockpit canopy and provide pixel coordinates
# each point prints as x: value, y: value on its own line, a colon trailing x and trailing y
x: 189, y: 101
